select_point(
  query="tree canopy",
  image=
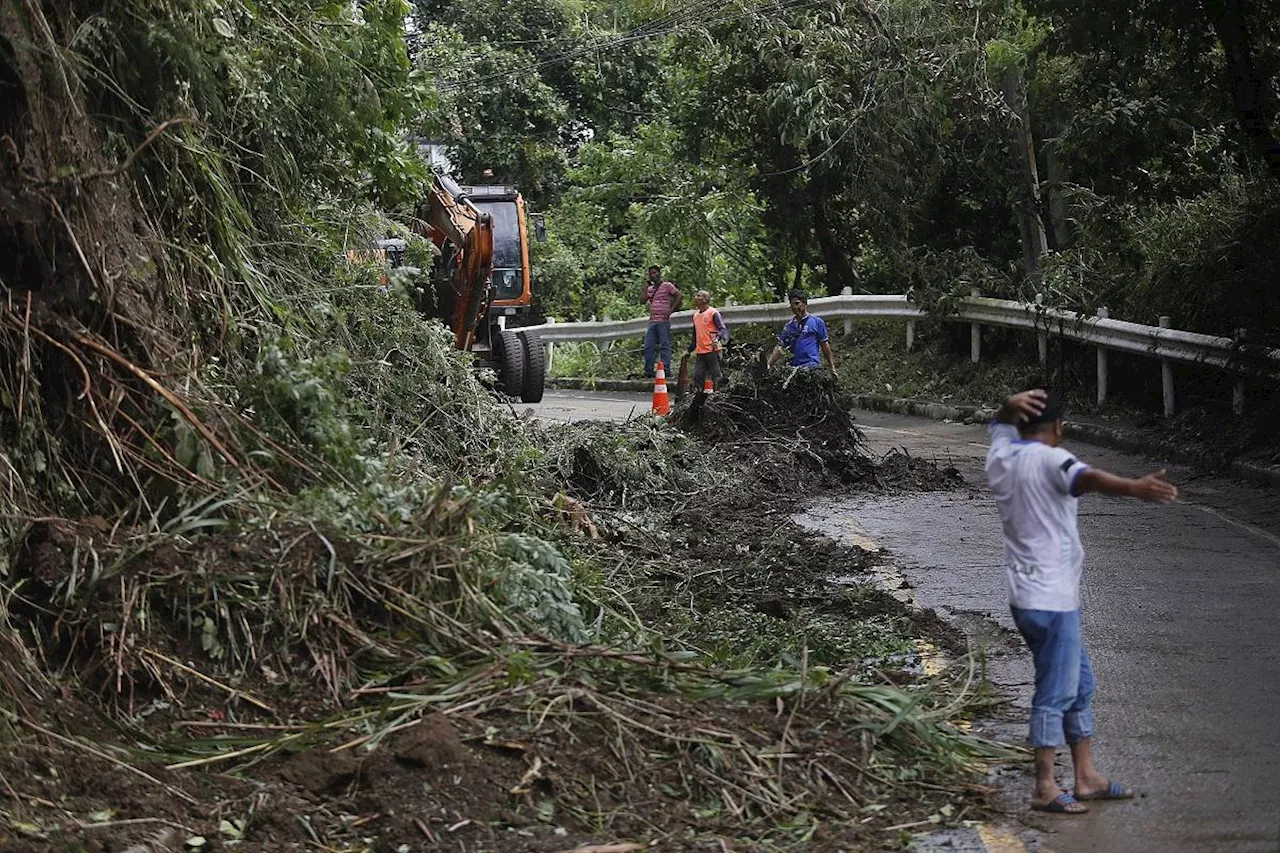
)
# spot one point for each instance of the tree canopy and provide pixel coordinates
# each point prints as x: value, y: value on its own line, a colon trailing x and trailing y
x: 1124, y: 157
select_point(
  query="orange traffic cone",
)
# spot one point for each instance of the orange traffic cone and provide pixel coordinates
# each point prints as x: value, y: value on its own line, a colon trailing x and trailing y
x: 661, y: 402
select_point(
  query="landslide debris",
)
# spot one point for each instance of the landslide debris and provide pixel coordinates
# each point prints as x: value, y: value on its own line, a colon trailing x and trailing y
x: 277, y: 573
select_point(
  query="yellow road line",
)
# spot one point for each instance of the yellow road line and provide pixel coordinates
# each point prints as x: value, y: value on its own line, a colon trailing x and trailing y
x: 998, y: 840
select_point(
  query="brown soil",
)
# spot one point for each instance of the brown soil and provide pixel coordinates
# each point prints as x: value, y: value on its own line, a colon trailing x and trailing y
x: 551, y: 765
x: 497, y: 782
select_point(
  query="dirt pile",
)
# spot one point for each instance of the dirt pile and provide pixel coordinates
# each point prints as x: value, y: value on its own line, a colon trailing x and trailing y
x: 797, y: 413
x: 579, y: 766
x: 328, y: 705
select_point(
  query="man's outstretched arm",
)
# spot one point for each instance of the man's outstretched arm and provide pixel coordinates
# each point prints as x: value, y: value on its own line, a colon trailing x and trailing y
x: 1153, y: 488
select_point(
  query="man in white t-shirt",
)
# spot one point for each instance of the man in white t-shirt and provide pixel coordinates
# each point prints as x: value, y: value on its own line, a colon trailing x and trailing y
x: 1036, y: 484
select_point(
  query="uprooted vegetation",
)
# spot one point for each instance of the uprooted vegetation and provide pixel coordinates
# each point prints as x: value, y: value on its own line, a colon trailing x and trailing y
x: 537, y: 688
x: 276, y: 566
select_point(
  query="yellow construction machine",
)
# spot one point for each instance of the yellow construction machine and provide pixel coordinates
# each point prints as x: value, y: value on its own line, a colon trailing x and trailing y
x: 481, y: 281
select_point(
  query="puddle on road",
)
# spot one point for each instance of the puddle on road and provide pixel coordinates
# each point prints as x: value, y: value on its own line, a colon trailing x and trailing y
x: 946, y: 548
x: 842, y: 526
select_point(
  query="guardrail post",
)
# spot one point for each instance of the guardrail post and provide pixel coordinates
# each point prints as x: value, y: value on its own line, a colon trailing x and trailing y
x: 1237, y: 393
x: 550, y: 346
x: 848, y: 321
x: 608, y: 345
x: 975, y: 336
x: 1042, y: 337
x: 1166, y: 374
x: 911, y: 334
x: 1103, y: 313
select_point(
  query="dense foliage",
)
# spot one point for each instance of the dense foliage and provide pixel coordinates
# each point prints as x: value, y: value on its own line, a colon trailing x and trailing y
x: 1125, y: 158
x: 235, y: 464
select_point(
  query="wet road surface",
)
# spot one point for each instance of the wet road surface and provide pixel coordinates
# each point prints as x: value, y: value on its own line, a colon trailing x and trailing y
x: 1180, y: 618
x: 570, y: 406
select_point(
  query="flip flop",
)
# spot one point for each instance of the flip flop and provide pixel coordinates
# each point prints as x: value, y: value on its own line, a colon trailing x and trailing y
x: 1113, y: 791
x: 1060, y: 804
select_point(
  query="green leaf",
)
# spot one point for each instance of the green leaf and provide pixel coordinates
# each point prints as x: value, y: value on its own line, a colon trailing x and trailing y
x: 223, y: 28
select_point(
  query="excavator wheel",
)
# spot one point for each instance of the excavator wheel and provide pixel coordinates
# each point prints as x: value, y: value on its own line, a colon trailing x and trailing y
x: 509, y: 354
x: 535, y: 367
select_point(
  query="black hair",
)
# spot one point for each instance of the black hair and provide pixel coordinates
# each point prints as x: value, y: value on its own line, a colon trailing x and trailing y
x: 797, y: 293
x: 653, y: 267
x: 1055, y: 408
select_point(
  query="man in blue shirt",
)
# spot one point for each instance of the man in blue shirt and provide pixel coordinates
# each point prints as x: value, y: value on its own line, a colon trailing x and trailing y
x: 805, y: 336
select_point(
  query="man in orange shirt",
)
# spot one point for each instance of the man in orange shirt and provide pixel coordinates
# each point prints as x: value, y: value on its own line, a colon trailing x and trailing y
x: 709, y: 332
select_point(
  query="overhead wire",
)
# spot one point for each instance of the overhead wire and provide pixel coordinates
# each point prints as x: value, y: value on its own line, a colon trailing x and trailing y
x: 670, y: 23
x: 813, y: 161
x: 661, y: 26
x: 658, y: 26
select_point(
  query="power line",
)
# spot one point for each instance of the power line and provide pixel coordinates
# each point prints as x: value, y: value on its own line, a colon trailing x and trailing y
x: 660, y: 26
x: 804, y: 167
x: 671, y: 23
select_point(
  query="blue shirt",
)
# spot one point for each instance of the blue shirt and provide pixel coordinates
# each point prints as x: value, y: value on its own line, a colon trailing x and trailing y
x: 804, y: 338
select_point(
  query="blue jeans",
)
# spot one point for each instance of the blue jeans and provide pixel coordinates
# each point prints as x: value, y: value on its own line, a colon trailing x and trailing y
x: 657, y: 345
x: 1060, y: 709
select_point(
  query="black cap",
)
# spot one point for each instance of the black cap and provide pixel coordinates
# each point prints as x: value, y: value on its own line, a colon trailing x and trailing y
x: 1055, y: 408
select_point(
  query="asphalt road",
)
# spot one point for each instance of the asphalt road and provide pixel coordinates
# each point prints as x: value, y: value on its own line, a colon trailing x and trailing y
x: 1180, y: 619
x: 570, y: 406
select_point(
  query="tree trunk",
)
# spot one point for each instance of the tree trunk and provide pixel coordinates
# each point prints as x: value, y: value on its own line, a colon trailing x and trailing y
x: 1252, y: 95
x: 1059, y: 229
x: 840, y: 272
x: 1030, y: 222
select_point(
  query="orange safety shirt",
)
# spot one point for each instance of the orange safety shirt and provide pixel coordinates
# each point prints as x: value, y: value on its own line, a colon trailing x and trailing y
x: 706, y: 333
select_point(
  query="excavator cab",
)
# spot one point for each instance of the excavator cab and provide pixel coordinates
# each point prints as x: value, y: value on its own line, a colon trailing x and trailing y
x: 512, y: 295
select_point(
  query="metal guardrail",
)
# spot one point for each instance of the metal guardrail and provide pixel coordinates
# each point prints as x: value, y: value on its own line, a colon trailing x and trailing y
x: 1161, y: 342
x: 1155, y: 341
x: 827, y: 307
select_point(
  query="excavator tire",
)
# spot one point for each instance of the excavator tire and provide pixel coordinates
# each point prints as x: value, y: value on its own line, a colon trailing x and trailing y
x: 535, y: 367
x: 510, y: 358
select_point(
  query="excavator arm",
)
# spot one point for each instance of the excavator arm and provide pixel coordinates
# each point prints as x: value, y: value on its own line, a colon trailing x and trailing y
x: 450, y: 214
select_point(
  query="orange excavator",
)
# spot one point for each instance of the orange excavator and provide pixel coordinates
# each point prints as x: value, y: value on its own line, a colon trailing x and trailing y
x: 481, y: 278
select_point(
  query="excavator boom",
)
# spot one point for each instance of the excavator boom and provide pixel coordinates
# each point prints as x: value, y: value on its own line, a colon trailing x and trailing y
x: 448, y: 211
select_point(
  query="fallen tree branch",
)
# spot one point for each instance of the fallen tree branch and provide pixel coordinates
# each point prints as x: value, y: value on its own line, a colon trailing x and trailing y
x: 168, y: 395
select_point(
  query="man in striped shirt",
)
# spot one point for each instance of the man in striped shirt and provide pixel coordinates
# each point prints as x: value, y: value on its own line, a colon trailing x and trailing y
x: 664, y: 299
